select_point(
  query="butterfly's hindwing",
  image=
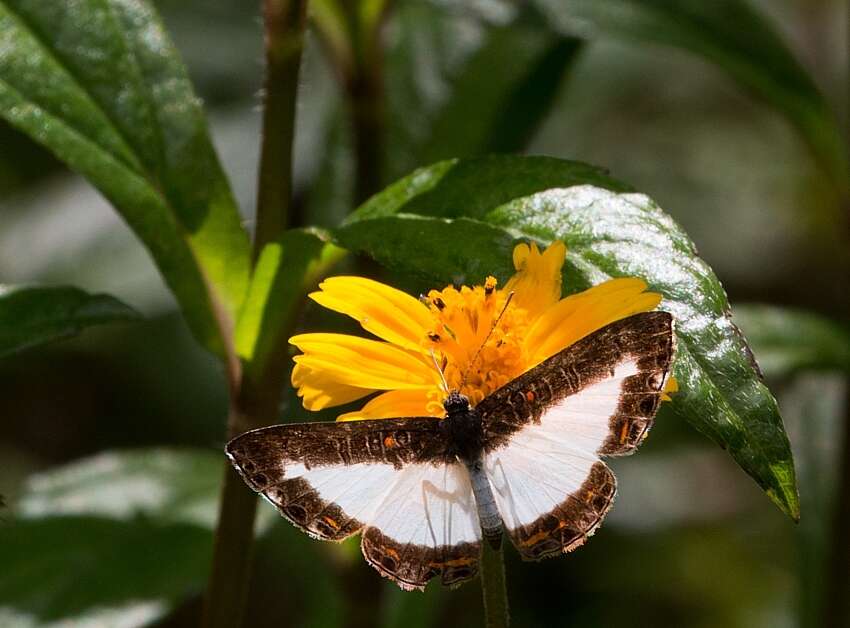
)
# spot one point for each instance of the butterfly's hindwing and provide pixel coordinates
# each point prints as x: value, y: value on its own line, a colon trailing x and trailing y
x: 427, y: 526
x: 546, y: 507
x: 545, y: 431
x: 390, y: 478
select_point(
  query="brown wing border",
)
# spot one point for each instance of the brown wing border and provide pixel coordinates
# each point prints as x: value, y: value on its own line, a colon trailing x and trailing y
x: 257, y: 455
x: 261, y: 456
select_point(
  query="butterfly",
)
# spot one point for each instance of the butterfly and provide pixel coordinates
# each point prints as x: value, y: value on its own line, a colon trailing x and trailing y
x: 425, y: 492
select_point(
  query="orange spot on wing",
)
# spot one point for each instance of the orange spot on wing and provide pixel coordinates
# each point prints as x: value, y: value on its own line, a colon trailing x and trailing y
x: 391, y: 552
x: 331, y: 522
x: 390, y: 442
x: 529, y: 396
x: 534, y: 539
x: 624, y: 433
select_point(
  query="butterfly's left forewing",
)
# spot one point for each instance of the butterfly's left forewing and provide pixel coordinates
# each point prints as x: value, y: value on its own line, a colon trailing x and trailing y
x: 390, y: 479
x: 545, y: 431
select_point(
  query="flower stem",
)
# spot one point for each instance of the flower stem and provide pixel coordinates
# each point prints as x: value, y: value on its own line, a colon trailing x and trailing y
x: 493, y: 587
x: 255, y: 397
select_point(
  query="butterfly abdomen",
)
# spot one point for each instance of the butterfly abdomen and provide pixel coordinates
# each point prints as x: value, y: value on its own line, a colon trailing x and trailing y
x: 488, y: 514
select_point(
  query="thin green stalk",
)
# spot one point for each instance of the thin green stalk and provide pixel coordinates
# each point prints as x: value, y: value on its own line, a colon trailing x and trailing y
x: 255, y: 397
x: 285, y: 22
x: 493, y: 587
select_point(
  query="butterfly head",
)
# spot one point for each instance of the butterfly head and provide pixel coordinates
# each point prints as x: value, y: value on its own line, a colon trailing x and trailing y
x: 456, y: 403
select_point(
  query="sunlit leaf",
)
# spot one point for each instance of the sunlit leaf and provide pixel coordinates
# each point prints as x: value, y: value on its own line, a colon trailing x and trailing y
x: 472, y: 212
x: 787, y: 341
x: 285, y: 271
x: 471, y: 187
x: 99, y: 84
x: 113, y: 540
x: 31, y: 316
x: 728, y: 33
x: 174, y: 486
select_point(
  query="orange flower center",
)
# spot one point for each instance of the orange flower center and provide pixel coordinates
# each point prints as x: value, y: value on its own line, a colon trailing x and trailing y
x: 477, y: 340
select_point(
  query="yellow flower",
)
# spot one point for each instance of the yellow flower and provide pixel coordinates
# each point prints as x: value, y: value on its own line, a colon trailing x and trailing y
x: 455, y: 326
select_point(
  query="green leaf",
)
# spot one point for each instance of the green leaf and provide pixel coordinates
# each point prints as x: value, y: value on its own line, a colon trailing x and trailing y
x: 99, y: 83
x: 31, y: 316
x: 94, y: 572
x: 787, y: 341
x: 497, y: 97
x: 470, y: 187
x: 476, y: 211
x: 285, y: 271
x: 733, y: 36
x: 116, y: 539
x: 459, y: 83
x: 168, y: 485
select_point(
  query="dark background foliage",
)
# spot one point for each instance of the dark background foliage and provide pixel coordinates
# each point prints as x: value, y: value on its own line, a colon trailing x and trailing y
x: 691, y: 540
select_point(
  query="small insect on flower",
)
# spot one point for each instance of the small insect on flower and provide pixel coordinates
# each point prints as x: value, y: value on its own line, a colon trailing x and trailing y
x: 493, y: 409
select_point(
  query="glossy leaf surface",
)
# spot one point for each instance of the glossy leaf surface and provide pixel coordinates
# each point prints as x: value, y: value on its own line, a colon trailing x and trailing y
x: 471, y: 213
x: 99, y: 83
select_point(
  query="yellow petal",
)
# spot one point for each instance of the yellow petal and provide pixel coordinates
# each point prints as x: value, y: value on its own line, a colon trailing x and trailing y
x: 396, y: 403
x: 576, y: 316
x: 382, y: 310
x: 363, y: 363
x: 537, y: 283
x: 672, y: 386
x: 317, y: 391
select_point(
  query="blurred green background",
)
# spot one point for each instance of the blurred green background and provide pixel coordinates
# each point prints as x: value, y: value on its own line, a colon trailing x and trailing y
x: 692, y: 541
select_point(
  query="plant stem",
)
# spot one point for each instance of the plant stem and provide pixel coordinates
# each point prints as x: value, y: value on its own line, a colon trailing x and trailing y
x: 493, y: 587
x: 352, y: 34
x: 837, y: 605
x: 285, y: 22
x: 365, y: 100
x: 255, y: 397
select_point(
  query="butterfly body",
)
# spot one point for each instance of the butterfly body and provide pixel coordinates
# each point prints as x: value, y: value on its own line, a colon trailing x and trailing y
x: 423, y: 492
x: 465, y: 440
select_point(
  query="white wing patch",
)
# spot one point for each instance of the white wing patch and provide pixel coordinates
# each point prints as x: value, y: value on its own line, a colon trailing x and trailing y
x: 430, y: 505
x: 581, y: 422
x: 546, y: 462
x: 423, y: 504
x: 358, y: 489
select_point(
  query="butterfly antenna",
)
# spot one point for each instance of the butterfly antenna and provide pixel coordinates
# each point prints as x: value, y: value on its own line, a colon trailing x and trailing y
x: 440, y: 371
x: 489, y: 333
